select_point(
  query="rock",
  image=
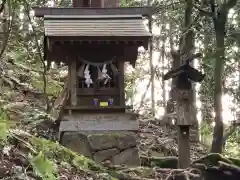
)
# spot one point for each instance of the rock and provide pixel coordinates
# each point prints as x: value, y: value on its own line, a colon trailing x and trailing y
x: 105, y: 154
x: 157, y: 154
x: 104, y: 146
x: 170, y: 162
x: 112, y: 140
x: 127, y: 140
x: 5, y: 168
x: 141, y: 172
x: 212, y: 159
x: 77, y: 142
x: 128, y: 157
x: 102, y: 141
x: 235, y: 161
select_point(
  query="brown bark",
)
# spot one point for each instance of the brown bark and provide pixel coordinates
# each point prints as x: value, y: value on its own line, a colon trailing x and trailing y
x: 152, y: 69
x: 185, y: 107
x: 219, y: 22
x: 219, y: 67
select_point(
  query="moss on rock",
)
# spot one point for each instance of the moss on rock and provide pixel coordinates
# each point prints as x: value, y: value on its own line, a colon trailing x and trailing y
x: 54, y: 150
x: 212, y: 159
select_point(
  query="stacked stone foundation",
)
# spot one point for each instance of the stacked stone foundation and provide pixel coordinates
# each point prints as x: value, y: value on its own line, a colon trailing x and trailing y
x: 117, y: 148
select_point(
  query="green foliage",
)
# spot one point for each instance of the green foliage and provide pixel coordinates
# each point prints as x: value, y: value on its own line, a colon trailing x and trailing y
x: 130, y: 3
x: 43, y: 167
x: 53, y: 86
x: 206, y: 133
x: 56, y: 151
x: 3, y: 130
x: 232, y: 145
x: 4, y: 126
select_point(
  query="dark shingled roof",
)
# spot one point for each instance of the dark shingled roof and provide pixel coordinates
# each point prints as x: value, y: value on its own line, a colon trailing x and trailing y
x: 95, y: 25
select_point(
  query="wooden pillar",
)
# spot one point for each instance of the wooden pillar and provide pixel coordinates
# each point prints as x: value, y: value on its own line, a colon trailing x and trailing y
x: 183, y: 94
x: 73, y: 82
x: 184, y: 120
x: 121, y: 83
x: 102, y: 3
x: 183, y: 147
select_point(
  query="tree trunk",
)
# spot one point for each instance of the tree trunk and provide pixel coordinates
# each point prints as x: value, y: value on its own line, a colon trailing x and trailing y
x: 152, y: 69
x: 217, y: 142
x: 174, y: 64
x: 207, y: 85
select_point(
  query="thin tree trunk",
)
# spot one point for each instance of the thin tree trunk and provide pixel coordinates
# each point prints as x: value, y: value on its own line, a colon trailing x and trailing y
x: 206, y: 95
x: 170, y: 103
x: 219, y: 65
x: 151, y: 64
x: 163, y: 40
x: 219, y: 16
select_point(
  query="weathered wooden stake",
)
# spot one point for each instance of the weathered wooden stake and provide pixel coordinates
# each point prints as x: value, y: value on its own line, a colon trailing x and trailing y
x: 183, y: 147
x: 184, y: 121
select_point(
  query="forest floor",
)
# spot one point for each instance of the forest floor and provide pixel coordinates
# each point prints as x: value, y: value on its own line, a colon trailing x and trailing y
x: 27, y: 154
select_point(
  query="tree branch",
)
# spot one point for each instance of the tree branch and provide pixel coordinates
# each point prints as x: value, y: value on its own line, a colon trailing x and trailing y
x: 229, y: 4
x: 27, y: 10
x: 7, y: 33
x: 163, y: 7
x: 2, y: 5
x: 203, y: 12
x: 226, y: 6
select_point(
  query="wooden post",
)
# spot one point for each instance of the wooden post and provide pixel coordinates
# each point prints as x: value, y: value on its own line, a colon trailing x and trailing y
x: 73, y: 82
x: 184, y: 121
x: 183, y: 147
x: 121, y: 83
x: 184, y: 117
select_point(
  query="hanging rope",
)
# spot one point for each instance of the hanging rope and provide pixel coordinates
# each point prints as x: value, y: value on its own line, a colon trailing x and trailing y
x: 105, y: 75
x: 97, y: 64
x: 101, y: 74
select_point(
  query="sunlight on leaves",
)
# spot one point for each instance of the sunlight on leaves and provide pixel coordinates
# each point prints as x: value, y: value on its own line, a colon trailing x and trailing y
x: 44, y: 167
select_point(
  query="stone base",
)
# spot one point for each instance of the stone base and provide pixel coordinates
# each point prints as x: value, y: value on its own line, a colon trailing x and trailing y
x: 120, y: 148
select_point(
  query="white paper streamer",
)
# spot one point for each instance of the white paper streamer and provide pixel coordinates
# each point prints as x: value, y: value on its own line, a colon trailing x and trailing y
x: 105, y: 75
x: 87, y: 76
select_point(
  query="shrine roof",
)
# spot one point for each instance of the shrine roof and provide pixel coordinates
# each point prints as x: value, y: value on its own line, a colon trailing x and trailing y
x: 42, y: 11
x: 95, y: 25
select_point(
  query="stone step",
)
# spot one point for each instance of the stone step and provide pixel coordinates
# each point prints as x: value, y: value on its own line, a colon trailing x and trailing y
x: 96, y: 125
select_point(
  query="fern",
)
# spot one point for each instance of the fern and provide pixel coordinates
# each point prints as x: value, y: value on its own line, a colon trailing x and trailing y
x: 3, y: 130
x: 4, y: 126
x: 44, y: 167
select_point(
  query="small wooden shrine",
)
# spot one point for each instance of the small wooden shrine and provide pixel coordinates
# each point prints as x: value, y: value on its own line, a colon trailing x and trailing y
x: 95, y: 38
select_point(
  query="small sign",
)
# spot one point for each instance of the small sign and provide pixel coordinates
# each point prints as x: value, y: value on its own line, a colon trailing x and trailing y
x: 103, y: 104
